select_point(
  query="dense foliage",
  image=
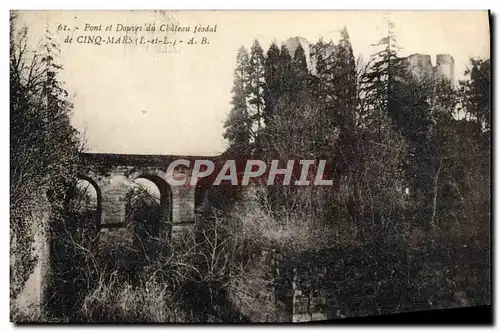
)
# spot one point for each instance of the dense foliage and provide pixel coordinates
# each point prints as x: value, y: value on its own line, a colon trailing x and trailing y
x: 43, y: 147
x: 390, y: 136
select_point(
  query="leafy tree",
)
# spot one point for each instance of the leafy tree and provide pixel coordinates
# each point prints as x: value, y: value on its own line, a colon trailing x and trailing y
x: 435, y: 145
x: 476, y: 92
x: 461, y: 190
x: 475, y: 97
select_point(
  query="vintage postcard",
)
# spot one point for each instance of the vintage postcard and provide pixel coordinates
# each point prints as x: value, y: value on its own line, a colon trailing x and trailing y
x: 248, y: 166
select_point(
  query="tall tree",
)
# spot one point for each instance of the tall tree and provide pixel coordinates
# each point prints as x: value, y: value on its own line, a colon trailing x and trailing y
x: 285, y: 72
x: 255, y: 91
x: 344, y: 83
x: 323, y: 53
x: 341, y: 87
x: 238, y: 126
x: 369, y: 144
x: 273, y: 75
x: 381, y: 82
x: 300, y: 72
x: 322, y: 91
x: 334, y: 88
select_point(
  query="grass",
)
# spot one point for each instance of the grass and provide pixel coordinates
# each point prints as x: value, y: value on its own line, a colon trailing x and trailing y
x: 149, y: 302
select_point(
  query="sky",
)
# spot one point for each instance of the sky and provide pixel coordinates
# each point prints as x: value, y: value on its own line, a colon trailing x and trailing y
x: 157, y: 99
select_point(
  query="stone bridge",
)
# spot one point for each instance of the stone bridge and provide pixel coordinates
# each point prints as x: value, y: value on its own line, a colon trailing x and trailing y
x: 113, y: 174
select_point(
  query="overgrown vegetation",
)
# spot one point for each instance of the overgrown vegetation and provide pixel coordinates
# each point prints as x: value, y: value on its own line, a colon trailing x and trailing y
x: 402, y: 148
x: 149, y: 279
x: 394, y: 139
x: 43, y: 149
x: 407, y: 220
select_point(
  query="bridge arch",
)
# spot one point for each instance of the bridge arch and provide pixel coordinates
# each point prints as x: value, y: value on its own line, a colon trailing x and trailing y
x: 73, y: 191
x: 158, y: 179
x: 149, y: 210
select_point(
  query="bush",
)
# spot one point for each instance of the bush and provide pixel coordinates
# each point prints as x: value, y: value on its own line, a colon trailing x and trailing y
x: 148, y: 302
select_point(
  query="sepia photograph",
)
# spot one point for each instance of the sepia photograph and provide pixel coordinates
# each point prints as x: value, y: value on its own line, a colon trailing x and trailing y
x: 181, y: 166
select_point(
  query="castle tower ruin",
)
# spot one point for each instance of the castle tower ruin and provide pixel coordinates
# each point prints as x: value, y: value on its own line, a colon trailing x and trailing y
x: 445, y: 68
x: 420, y: 66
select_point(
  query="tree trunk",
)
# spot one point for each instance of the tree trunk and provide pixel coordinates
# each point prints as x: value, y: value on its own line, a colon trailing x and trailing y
x: 434, y: 199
